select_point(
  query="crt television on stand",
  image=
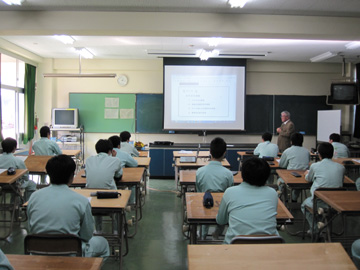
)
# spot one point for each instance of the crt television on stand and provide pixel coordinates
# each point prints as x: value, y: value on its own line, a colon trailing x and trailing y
x: 343, y: 93
x: 65, y: 118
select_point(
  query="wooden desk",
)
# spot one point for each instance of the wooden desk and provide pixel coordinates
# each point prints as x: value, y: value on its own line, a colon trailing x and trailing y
x: 143, y: 161
x: 72, y: 153
x: 322, y: 256
x: 9, y: 185
x: 197, y: 214
x: 33, y: 262
x: 177, y: 154
x: 345, y: 203
x: 341, y: 160
x: 36, y: 164
x: 143, y: 153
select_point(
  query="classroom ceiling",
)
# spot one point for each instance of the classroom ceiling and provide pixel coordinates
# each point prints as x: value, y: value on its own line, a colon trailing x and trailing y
x: 149, y: 47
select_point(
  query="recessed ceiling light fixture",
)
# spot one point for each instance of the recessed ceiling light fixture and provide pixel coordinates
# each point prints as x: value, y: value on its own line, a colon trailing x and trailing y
x: 65, y: 39
x: 13, y: 2
x: 238, y: 3
x: 352, y: 45
x: 323, y: 56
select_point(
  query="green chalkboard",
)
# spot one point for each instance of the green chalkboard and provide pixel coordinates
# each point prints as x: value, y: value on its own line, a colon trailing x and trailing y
x: 149, y: 113
x: 104, y: 113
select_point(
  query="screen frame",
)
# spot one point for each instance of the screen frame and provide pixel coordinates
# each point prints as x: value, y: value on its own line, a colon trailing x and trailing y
x: 65, y: 126
x: 226, y: 62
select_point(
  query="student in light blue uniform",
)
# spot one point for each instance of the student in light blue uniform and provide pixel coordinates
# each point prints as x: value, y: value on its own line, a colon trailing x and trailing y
x: 57, y: 209
x: 214, y: 178
x: 323, y: 174
x: 45, y: 146
x: 101, y: 172
x: 126, y: 146
x: 4, y: 262
x: 7, y: 160
x: 357, y: 183
x: 340, y: 150
x: 266, y: 148
x: 355, y: 252
x: 296, y: 157
x: 251, y: 207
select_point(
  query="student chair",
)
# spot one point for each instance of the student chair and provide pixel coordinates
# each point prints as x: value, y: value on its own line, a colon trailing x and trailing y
x: 257, y: 239
x: 53, y: 244
x: 324, y: 215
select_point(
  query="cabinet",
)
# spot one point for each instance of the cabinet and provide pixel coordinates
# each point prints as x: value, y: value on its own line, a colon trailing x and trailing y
x: 69, y: 140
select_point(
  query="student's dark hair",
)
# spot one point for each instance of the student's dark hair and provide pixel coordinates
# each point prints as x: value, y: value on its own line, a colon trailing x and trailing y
x: 115, y: 140
x: 44, y: 131
x: 8, y: 145
x: 217, y: 147
x: 335, y: 137
x: 326, y: 150
x: 267, y: 136
x: 124, y: 136
x: 297, y: 139
x: 60, y: 169
x: 255, y: 171
x: 103, y: 146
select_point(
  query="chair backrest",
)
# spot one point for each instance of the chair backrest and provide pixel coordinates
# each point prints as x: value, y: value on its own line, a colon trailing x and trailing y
x: 257, y: 239
x: 53, y: 244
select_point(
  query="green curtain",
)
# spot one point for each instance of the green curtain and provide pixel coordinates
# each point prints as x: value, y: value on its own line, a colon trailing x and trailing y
x: 30, y: 75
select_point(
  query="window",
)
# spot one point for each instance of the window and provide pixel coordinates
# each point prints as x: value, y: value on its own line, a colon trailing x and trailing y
x: 12, y: 96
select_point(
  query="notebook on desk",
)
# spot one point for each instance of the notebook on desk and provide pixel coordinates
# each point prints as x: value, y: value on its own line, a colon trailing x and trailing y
x: 190, y: 159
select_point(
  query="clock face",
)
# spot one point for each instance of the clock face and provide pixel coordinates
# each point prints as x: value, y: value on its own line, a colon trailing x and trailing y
x: 122, y: 80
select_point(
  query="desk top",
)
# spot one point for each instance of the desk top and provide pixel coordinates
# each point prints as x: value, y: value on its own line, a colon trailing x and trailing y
x: 143, y: 161
x: 9, y: 179
x: 36, y: 164
x: 341, y: 201
x: 177, y: 154
x: 143, y: 153
x: 71, y: 152
x: 291, y: 180
x: 188, y: 177
x: 119, y: 202
x: 199, y: 163
x: 34, y: 262
x: 269, y: 256
x: 197, y: 212
x: 130, y: 175
x: 356, y: 161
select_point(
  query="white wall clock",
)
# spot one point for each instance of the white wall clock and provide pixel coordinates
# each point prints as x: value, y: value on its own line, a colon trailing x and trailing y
x: 122, y: 80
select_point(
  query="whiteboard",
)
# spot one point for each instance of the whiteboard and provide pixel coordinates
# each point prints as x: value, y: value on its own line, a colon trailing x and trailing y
x: 328, y: 122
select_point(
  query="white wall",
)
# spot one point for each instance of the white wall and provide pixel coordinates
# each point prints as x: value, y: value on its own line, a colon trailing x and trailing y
x: 145, y: 76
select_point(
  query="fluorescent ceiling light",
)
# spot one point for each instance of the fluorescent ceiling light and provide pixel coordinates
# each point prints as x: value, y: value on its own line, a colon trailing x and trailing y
x: 238, y: 3
x: 352, y: 45
x: 205, y: 55
x: 85, y: 53
x: 13, y: 2
x: 65, y: 39
x: 322, y: 57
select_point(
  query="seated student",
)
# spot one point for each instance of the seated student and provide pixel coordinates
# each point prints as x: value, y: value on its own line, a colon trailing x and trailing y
x: 57, y: 209
x: 340, y: 150
x: 357, y: 183
x: 323, y: 174
x: 355, y: 252
x: 126, y: 146
x: 266, y: 148
x: 102, y: 168
x: 45, y: 146
x: 101, y: 171
x: 126, y: 159
x: 251, y: 207
x: 214, y: 178
x: 4, y: 262
x: 7, y: 160
x: 296, y: 157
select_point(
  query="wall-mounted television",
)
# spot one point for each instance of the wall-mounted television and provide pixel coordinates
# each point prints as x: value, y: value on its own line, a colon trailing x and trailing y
x: 343, y: 93
x: 65, y: 118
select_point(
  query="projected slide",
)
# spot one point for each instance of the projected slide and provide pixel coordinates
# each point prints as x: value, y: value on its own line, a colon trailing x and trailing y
x: 204, y: 97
